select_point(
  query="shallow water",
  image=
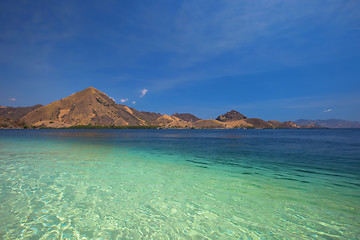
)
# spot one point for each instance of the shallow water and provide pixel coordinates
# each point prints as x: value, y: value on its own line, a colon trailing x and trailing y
x: 180, y: 184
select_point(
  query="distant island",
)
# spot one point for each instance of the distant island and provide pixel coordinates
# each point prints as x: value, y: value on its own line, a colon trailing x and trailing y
x: 91, y: 108
x: 330, y: 123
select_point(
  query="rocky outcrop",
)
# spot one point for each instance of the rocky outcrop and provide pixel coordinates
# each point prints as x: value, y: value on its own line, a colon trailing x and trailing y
x: 231, y: 116
x: 188, y: 117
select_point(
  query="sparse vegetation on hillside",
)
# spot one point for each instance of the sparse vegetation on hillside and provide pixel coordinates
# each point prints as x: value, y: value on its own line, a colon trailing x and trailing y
x: 110, y: 127
x: 92, y: 109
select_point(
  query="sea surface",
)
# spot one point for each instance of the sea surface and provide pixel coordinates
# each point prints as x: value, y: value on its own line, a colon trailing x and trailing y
x: 180, y: 184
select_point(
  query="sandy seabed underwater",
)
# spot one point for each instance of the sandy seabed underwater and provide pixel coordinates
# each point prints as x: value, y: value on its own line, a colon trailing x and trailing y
x: 180, y: 184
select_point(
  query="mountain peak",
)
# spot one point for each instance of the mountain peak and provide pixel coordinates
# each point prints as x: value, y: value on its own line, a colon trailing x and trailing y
x: 89, y: 106
x: 231, y: 116
x: 90, y: 90
x: 89, y: 93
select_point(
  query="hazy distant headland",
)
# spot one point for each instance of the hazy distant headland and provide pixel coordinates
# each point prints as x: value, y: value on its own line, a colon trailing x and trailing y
x: 330, y: 123
x: 91, y: 108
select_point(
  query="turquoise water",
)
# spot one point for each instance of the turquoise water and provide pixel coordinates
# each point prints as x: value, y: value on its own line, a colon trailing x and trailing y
x: 180, y: 184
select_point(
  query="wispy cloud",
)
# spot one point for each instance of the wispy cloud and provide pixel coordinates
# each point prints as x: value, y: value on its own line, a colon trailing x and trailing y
x: 133, y: 102
x: 327, y: 110
x: 250, y: 32
x: 143, y: 92
x: 124, y: 100
x: 12, y: 99
x: 227, y: 26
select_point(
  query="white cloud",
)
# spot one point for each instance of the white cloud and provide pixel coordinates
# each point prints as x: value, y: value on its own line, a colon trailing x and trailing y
x: 133, y: 102
x: 124, y: 100
x: 12, y: 99
x: 143, y: 92
x: 327, y: 110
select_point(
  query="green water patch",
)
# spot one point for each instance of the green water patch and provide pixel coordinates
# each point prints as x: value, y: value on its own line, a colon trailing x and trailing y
x: 75, y: 189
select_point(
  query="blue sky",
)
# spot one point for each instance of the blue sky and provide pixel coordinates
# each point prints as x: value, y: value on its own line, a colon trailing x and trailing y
x: 281, y: 60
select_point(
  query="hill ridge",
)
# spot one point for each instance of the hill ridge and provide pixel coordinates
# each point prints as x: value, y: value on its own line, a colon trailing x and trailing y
x: 90, y: 106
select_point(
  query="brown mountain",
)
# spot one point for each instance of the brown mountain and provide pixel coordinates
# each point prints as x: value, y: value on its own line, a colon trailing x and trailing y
x: 234, y: 119
x: 209, y: 123
x: 9, y: 123
x: 89, y: 106
x: 258, y: 123
x: 10, y: 116
x: 92, y: 107
x: 238, y: 124
x: 16, y: 113
x: 231, y: 116
x: 149, y: 117
x: 171, y: 121
x: 188, y: 117
x: 288, y: 124
x: 157, y: 119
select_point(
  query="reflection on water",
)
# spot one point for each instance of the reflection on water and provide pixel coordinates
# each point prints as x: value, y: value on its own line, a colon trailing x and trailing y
x: 179, y: 184
x: 148, y: 133
x: 84, y: 134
